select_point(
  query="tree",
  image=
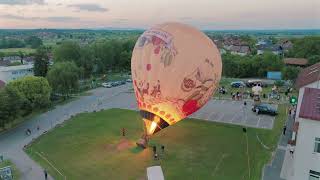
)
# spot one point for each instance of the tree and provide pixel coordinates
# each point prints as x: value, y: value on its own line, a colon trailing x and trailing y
x: 313, y: 59
x: 34, y: 41
x: 67, y: 51
x: 125, y: 60
x: 2, y: 54
x: 64, y: 78
x: 105, y: 55
x: 11, y: 102
x: 41, y: 62
x: 305, y: 47
x: 21, y: 55
x: 290, y: 73
x: 86, y: 61
x: 35, y: 91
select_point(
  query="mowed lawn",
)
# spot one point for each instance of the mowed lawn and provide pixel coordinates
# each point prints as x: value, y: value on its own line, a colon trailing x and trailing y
x: 15, y: 50
x: 90, y: 146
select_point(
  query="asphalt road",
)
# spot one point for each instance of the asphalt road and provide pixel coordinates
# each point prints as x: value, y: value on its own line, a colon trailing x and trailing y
x: 12, y: 142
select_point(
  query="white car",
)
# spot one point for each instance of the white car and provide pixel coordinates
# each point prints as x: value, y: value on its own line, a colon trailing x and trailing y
x: 107, y: 85
x: 129, y: 80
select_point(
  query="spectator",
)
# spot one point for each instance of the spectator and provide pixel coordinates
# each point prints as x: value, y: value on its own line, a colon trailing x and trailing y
x: 284, y: 130
x: 291, y: 149
x: 45, y: 174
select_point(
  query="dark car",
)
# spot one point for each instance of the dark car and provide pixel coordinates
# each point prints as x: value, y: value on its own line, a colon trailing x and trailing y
x: 238, y: 84
x: 264, y: 109
x: 123, y: 82
x: 114, y: 84
x: 251, y: 83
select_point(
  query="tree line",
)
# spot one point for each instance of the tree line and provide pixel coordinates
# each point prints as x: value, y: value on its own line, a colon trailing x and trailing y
x: 72, y: 62
x: 32, y: 41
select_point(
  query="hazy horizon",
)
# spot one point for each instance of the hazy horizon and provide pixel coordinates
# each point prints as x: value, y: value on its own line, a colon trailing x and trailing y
x: 141, y: 14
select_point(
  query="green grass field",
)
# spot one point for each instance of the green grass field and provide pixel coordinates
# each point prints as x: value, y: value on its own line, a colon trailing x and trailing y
x: 89, y: 146
x: 16, y: 50
x: 16, y: 173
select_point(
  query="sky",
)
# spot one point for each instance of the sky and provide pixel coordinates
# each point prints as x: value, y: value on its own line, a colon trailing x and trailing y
x: 204, y: 14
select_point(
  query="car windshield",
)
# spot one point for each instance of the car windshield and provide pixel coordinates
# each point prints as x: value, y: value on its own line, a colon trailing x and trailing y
x: 268, y: 106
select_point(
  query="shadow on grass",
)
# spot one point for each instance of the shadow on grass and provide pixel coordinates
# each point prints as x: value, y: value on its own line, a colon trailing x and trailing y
x: 136, y: 150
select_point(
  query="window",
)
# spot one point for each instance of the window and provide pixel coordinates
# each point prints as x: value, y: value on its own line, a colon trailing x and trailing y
x: 314, y: 175
x: 317, y: 145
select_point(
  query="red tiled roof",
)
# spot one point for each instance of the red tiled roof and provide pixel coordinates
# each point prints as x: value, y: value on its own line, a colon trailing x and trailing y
x: 308, y: 75
x: 310, y: 105
x: 2, y: 84
x: 296, y: 61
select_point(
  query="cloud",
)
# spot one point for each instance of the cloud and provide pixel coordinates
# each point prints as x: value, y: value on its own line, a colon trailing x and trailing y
x: 61, y: 19
x: 22, y: 2
x: 186, y: 18
x: 88, y: 7
x: 50, y: 19
x: 10, y: 16
x: 120, y: 20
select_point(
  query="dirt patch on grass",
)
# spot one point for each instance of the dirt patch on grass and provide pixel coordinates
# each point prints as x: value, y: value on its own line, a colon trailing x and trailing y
x: 123, y: 144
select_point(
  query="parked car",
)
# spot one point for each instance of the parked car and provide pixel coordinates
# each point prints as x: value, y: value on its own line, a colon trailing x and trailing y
x: 274, y: 96
x: 107, y: 85
x: 114, y: 84
x: 251, y: 83
x: 129, y: 80
x: 123, y: 82
x: 238, y: 84
x: 264, y: 108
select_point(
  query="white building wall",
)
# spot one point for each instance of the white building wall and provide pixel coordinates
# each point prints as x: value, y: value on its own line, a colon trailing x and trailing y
x: 305, y: 159
x: 14, y: 72
x: 301, y: 92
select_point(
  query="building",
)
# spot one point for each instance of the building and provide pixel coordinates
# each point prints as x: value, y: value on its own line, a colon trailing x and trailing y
x: 9, y: 73
x: 285, y: 44
x: 308, y: 77
x: 298, y: 62
x: 275, y: 49
x: 306, y: 163
x: 239, y: 50
x: 275, y: 75
x: 306, y: 136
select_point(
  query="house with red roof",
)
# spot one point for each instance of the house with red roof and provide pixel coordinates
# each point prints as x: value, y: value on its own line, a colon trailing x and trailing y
x: 306, y: 136
x: 308, y: 78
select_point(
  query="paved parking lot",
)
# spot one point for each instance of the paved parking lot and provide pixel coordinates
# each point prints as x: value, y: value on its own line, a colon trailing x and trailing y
x: 233, y: 112
x: 225, y: 111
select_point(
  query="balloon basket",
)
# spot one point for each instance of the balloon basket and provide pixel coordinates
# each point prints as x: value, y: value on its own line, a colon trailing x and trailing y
x: 143, y: 142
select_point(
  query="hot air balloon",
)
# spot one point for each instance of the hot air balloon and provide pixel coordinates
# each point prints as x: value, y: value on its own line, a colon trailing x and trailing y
x: 175, y: 70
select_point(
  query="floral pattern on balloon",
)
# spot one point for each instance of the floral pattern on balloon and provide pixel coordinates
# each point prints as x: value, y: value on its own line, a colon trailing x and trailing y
x: 162, y: 42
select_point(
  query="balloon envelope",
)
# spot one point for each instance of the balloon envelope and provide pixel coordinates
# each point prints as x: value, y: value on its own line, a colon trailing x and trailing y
x: 175, y: 70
